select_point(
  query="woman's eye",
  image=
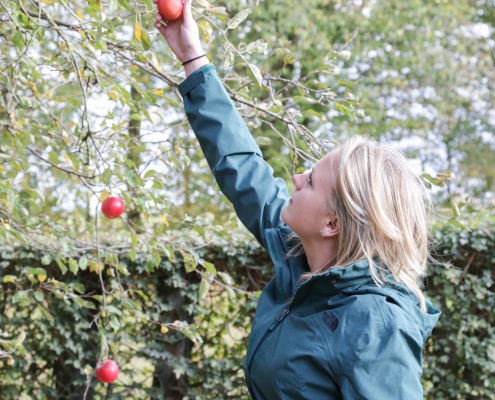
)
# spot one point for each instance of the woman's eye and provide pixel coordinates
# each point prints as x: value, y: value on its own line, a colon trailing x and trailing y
x: 310, y: 180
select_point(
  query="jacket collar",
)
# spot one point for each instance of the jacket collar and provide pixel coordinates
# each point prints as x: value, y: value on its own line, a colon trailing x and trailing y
x: 288, y: 270
x: 336, y: 279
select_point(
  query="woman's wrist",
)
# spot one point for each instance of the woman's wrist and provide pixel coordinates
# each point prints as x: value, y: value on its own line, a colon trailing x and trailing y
x: 194, y: 65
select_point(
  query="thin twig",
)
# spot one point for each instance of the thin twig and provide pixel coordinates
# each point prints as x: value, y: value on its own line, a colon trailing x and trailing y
x: 466, y: 268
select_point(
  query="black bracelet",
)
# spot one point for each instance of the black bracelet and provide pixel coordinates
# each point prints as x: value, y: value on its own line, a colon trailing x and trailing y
x: 192, y: 59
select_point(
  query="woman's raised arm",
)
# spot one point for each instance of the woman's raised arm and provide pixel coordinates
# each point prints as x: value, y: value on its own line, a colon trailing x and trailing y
x: 232, y: 154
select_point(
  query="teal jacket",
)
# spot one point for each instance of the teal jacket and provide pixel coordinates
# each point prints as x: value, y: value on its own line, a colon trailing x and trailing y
x: 337, y: 335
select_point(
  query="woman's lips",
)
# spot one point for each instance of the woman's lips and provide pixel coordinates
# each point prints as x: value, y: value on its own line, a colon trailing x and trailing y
x: 290, y: 201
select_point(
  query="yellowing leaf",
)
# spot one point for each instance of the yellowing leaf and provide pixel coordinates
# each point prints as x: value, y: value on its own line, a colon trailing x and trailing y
x: 164, y: 329
x: 93, y: 266
x: 41, y: 278
x: 155, y: 62
x: 206, y: 28
x: 79, y: 15
x: 138, y: 32
x: 113, y: 95
x: 165, y: 220
x: 9, y: 278
x: 33, y: 88
x: 103, y: 314
x: 146, y: 215
x: 49, y: 94
x: 5, y: 224
x: 104, y: 195
x: 158, y: 92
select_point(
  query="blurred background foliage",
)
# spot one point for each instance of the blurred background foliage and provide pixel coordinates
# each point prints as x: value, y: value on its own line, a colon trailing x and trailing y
x: 89, y: 103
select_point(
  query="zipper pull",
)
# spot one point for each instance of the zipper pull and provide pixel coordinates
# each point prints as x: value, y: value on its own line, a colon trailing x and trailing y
x: 283, y: 315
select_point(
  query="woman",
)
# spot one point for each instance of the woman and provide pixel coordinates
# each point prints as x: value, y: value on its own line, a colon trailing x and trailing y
x: 344, y: 316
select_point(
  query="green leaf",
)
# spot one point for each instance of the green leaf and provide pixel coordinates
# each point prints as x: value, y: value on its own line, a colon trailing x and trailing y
x: 113, y: 310
x: 83, y: 263
x: 76, y: 103
x: 45, y: 260
x: 257, y: 73
x: 204, y: 287
x: 259, y: 46
x: 114, y: 323
x: 53, y: 157
x: 105, y: 178
x: 238, y: 18
x: 78, y: 287
x: 435, y: 181
x: 130, y: 178
x: 61, y: 265
x: 18, y: 296
x: 89, y: 304
x: 458, y: 224
x: 39, y: 296
x: 229, y: 59
x: 263, y: 140
x: 345, y: 83
x: 125, y: 4
x: 210, y: 267
x: 146, y: 40
x: 79, y: 302
x: 305, y: 100
x: 47, y: 315
x: 73, y: 266
x: 227, y: 279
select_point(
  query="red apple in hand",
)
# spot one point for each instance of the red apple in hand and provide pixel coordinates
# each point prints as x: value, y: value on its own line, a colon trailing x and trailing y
x: 112, y: 207
x: 107, y: 372
x: 170, y: 9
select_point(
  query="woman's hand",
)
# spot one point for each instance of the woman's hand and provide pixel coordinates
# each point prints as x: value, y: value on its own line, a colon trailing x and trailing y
x: 182, y: 34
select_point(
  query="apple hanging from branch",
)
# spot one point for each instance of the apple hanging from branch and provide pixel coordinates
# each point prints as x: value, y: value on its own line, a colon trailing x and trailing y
x: 107, y: 371
x: 170, y: 9
x: 112, y: 207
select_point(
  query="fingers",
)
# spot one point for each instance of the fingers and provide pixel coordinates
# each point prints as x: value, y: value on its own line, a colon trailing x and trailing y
x: 158, y: 23
x: 187, y: 14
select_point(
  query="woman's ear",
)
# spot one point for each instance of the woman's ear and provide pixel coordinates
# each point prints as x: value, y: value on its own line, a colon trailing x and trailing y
x: 331, y: 227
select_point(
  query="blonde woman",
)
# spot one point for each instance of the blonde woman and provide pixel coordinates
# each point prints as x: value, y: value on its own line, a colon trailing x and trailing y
x: 344, y: 316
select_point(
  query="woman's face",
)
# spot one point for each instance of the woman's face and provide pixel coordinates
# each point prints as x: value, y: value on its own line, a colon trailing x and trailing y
x: 307, y: 212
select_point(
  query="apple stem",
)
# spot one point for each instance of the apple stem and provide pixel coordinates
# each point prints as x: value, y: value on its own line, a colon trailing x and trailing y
x: 163, y: 23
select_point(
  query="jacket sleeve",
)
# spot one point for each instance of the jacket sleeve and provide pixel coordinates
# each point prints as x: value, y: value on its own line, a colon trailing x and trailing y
x: 385, y: 365
x: 232, y: 154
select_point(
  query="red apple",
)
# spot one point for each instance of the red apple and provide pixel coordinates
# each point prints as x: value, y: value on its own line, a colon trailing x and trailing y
x: 107, y: 372
x: 170, y: 9
x: 112, y: 207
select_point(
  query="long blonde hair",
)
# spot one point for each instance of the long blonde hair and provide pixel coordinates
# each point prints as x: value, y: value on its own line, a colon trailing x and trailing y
x: 381, y: 208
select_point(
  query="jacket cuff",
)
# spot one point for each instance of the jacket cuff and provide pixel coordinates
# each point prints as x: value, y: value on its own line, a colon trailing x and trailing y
x: 195, y: 79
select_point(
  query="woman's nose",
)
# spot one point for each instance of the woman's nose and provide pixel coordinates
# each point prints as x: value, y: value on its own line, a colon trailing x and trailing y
x: 298, y: 180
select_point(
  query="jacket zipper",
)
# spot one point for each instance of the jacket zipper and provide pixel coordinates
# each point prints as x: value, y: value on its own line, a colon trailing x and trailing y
x: 269, y: 330
x: 283, y: 315
x: 279, y: 319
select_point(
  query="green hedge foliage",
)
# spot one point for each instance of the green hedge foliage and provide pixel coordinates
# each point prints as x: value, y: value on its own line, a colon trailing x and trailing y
x: 60, y: 348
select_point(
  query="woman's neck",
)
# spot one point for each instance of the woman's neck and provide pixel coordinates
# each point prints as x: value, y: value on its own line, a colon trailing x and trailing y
x: 321, y: 254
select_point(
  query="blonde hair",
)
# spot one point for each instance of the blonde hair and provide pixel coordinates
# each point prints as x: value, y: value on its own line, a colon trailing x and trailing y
x: 380, y: 206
